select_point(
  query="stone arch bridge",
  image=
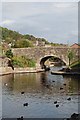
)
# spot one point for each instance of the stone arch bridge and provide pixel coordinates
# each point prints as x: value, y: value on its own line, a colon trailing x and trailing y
x: 41, y: 54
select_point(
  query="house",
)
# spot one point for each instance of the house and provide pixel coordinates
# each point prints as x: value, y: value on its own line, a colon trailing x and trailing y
x: 39, y: 43
x: 75, y: 45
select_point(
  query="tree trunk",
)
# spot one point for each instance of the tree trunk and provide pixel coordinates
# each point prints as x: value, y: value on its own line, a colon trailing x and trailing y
x: 69, y: 61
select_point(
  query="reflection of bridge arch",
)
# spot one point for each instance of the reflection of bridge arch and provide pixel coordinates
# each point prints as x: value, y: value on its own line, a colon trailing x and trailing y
x: 45, y: 58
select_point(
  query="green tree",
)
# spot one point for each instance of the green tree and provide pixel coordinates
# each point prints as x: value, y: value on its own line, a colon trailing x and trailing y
x: 8, y: 40
x: 9, y: 53
x: 22, y: 43
x: 70, y: 56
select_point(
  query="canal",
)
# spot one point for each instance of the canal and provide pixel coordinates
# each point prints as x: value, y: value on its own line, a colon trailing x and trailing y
x: 40, y: 91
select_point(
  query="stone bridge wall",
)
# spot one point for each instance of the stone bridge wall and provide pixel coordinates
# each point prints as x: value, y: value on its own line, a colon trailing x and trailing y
x: 37, y: 53
x: 4, y: 61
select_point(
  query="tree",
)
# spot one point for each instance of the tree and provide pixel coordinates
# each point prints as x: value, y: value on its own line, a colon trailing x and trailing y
x: 70, y: 56
x: 23, y: 43
x: 9, y: 53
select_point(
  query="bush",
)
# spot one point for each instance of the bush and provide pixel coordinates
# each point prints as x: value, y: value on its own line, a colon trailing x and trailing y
x: 31, y: 63
x: 23, y: 43
x: 22, y: 61
x: 9, y: 53
x: 75, y: 64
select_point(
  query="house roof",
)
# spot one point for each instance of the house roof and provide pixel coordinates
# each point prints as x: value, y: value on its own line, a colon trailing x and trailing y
x: 75, y: 44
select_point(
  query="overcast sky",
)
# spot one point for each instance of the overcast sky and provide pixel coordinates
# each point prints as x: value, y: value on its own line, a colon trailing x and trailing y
x: 55, y: 21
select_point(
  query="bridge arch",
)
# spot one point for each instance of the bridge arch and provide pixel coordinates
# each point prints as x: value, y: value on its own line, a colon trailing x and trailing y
x: 45, y: 58
x: 38, y: 53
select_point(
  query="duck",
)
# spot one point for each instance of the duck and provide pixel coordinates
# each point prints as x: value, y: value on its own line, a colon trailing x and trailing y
x: 55, y: 102
x: 57, y: 105
x: 69, y: 98
x: 25, y: 104
x: 22, y: 92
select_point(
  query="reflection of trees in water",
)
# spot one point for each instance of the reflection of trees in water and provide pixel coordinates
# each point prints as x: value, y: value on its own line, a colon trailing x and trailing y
x: 8, y: 82
x: 25, y: 82
x: 43, y: 78
x: 44, y: 81
x: 73, y: 83
x: 40, y: 82
x: 19, y: 82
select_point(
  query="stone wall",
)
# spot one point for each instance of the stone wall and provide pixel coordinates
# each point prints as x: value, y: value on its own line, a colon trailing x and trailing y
x: 5, y: 70
x: 37, y: 53
x: 4, y: 61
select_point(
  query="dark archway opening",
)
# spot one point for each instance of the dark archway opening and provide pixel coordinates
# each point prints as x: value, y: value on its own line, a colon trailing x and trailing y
x: 55, y: 61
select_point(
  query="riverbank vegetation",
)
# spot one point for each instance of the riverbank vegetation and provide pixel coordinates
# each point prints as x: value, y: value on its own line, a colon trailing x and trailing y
x: 20, y: 61
x: 76, y: 65
x: 70, y: 56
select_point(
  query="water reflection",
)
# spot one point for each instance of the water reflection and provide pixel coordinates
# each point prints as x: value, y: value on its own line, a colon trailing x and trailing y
x: 40, y: 91
x: 41, y: 82
x: 8, y: 83
x: 73, y: 84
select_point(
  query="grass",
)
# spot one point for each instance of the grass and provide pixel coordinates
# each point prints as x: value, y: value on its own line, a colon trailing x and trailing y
x: 22, y: 61
x: 75, y: 65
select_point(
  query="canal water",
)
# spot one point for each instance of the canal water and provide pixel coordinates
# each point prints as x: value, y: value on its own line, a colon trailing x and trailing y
x: 41, y: 90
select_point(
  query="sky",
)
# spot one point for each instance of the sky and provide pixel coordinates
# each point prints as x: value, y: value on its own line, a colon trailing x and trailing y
x: 55, y: 21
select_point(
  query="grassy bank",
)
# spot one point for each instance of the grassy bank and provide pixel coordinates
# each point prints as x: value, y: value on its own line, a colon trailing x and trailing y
x: 19, y: 61
x: 75, y: 66
x: 22, y: 61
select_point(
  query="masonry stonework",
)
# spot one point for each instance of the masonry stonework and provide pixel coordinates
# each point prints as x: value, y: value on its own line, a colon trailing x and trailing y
x: 37, y: 53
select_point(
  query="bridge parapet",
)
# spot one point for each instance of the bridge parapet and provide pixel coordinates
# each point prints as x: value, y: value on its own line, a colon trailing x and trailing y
x: 37, y: 53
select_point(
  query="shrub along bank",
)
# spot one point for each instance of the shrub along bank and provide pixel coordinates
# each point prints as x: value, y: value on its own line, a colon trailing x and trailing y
x: 20, y: 61
x: 75, y: 66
